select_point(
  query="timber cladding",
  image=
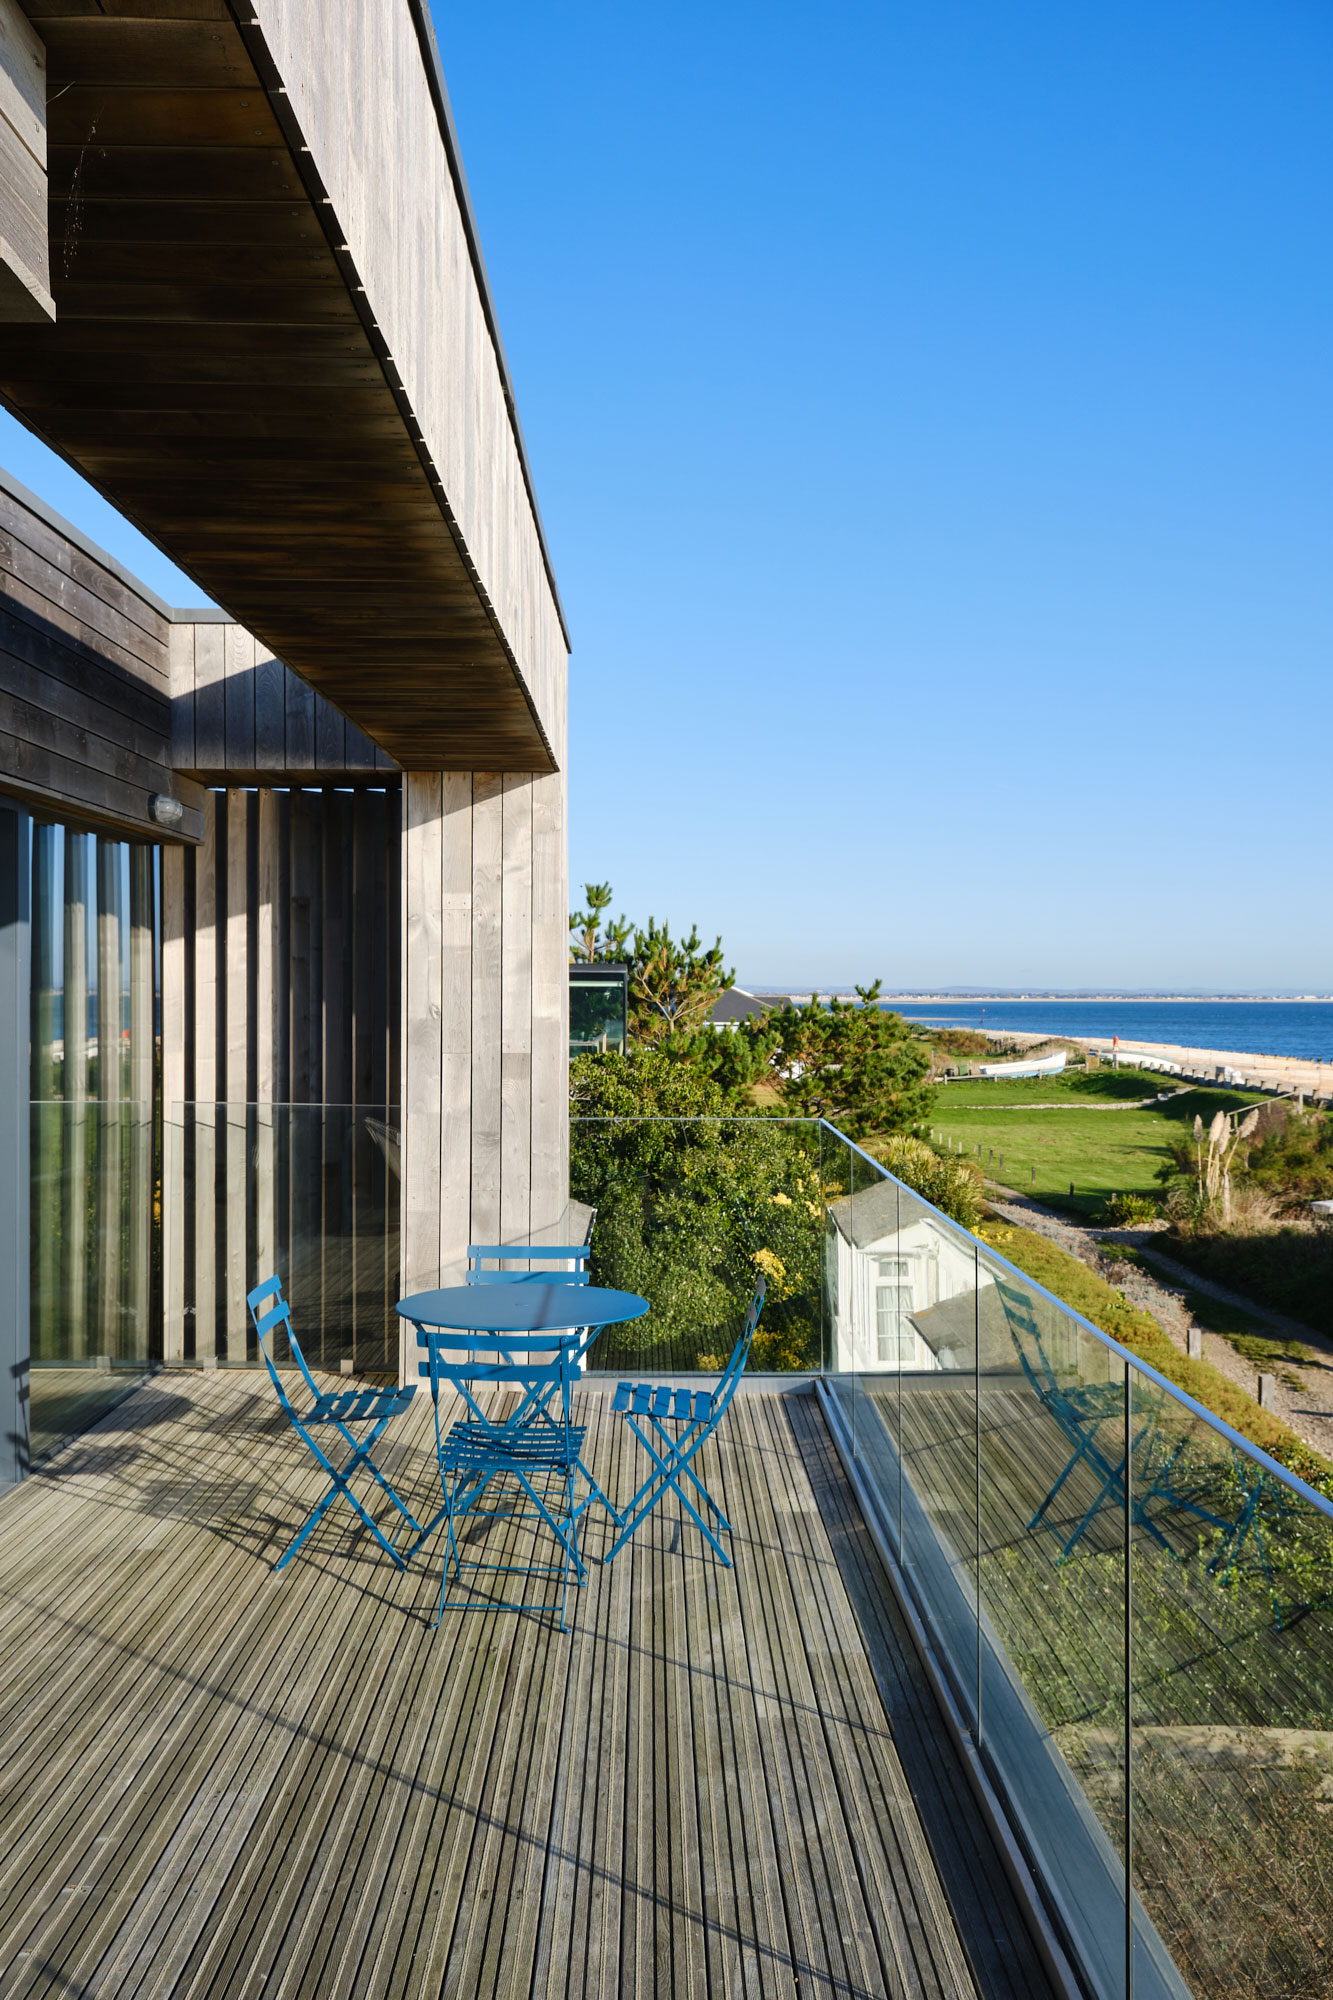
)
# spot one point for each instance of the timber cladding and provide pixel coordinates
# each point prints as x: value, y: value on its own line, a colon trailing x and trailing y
x: 485, y: 1017
x: 280, y: 1026
x: 238, y: 716
x: 329, y: 451
x: 85, y: 689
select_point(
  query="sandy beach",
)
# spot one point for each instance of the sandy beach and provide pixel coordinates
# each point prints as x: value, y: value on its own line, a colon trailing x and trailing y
x: 1278, y: 1073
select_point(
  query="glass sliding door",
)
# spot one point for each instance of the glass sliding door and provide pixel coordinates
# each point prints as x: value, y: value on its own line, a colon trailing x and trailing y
x: 93, y: 1150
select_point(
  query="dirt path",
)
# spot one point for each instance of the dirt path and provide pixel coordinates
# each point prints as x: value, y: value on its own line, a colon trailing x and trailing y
x: 1304, y: 1392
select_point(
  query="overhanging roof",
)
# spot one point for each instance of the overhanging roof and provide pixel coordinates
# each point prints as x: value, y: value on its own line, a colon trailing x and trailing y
x: 218, y: 371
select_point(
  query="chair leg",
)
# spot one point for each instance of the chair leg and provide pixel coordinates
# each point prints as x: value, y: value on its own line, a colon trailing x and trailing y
x: 644, y: 1501
x: 681, y: 1444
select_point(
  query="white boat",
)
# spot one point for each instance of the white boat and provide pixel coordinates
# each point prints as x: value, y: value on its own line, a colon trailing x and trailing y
x: 1037, y: 1066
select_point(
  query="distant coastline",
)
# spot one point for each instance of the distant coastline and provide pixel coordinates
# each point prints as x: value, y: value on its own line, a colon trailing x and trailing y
x: 1066, y: 997
x: 1223, y: 1029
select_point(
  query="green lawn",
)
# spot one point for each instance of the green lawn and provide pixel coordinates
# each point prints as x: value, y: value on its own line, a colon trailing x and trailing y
x: 1101, y: 1151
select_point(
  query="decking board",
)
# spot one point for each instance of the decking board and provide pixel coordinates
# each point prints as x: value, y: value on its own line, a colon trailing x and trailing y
x: 222, y: 1782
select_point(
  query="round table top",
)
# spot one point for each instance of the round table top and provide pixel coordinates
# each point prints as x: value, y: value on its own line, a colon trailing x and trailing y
x: 527, y: 1308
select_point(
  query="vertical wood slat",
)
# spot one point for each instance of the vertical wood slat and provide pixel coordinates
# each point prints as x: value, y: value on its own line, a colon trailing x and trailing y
x: 236, y: 1072
x: 74, y: 1234
x: 203, y: 1114
x: 180, y: 655
x: 422, y: 872
x: 174, y: 948
x: 210, y: 714
x: 106, y: 1260
x: 140, y: 1082
x: 271, y: 682
x: 487, y: 891
x: 238, y: 696
x: 516, y: 964
x: 454, y: 1081
x: 264, y: 1032
x: 550, y: 1008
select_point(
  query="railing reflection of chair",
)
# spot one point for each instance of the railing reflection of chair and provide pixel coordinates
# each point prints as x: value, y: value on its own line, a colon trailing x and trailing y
x: 1166, y: 1481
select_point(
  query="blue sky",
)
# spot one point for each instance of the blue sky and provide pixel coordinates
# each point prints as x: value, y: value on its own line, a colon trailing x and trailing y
x: 932, y: 413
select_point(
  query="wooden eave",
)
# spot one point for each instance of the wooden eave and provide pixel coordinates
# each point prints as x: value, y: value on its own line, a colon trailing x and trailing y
x: 214, y: 372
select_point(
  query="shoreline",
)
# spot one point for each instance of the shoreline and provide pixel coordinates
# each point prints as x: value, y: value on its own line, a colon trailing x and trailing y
x: 1060, y: 999
x: 1235, y: 1068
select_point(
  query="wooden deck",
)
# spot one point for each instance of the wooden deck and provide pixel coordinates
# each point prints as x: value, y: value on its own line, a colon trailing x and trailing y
x: 218, y: 1781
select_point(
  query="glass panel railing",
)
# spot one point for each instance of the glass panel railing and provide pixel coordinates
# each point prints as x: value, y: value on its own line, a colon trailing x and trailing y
x: 689, y: 1213
x: 1051, y: 1631
x: 92, y: 1277
x: 1231, y: 1743
x: 309, y: 1191
x: 1131, y: 1606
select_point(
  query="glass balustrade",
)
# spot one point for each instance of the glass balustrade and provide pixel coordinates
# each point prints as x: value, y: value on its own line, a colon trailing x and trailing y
x: 1132, y: 1608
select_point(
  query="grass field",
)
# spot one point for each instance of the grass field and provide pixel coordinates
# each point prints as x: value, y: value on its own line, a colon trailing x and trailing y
x: 1093, y: 1135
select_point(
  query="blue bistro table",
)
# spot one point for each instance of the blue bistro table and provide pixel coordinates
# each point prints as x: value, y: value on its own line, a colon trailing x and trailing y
x: 539, y: 1318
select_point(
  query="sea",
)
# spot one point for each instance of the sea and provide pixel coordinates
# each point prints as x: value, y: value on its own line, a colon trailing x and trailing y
x: 1250, y: 1027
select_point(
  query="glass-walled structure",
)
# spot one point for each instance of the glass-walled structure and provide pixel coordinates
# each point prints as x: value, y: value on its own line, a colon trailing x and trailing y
x: 94, y: 1296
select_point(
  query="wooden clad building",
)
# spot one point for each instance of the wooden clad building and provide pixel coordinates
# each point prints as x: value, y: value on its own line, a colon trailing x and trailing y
x: 287, y: 880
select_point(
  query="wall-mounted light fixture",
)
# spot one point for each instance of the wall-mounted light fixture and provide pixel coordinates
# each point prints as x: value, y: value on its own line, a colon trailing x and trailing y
x: 166, y: 811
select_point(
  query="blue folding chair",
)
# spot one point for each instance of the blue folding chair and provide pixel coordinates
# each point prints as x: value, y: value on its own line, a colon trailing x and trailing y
x: 541, y: 1456
x: 696, y: 1414
x: 376, y: 1407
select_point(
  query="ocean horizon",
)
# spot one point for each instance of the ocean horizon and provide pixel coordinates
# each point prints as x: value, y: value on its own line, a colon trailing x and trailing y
x: 1294, y: 1027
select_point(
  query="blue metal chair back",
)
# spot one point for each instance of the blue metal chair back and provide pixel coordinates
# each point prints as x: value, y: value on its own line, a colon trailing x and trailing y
x: 533, y: 1256
x: 489, y: 1357
x: 269, y: 1320
x: 729, y: 1380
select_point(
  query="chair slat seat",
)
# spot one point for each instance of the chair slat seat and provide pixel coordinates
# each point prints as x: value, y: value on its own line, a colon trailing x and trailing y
x: 473, y: 1444
x: 355, y: 1406
x: 647, y: 1399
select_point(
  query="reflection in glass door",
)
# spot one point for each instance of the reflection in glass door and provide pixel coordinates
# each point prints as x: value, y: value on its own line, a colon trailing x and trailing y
x: 93, y: 1289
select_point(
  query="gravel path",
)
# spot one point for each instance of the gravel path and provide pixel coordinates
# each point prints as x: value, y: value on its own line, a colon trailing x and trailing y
x: 1304, y: 1394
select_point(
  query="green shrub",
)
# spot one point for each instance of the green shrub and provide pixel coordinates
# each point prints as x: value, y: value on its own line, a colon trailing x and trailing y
x: 953, y: 1185
x: 1125, y: 1210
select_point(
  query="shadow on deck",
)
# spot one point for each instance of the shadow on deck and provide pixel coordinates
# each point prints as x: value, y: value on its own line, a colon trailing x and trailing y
x: 218, y: 1781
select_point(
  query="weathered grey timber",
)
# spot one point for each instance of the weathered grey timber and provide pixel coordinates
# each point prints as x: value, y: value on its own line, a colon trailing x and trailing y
x: 240, y: 717
x: 273, y: 353
x: 485, y: 1016
x: 25, y: 254
x: 220, y: 1782
x: 280, y: 967
x: 85, y: 688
